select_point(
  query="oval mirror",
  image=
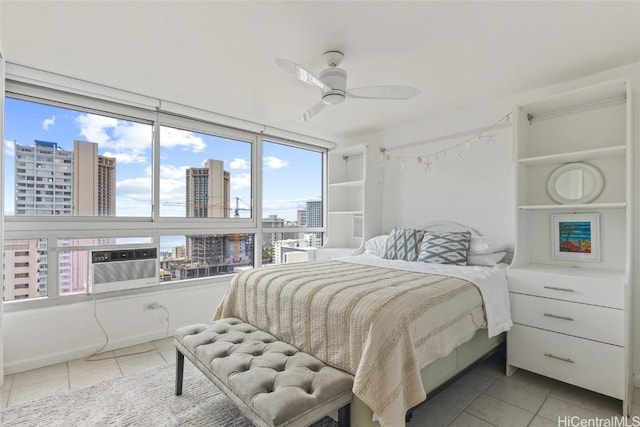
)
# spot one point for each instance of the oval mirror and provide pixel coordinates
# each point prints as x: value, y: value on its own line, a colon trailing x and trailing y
x: 575, y: 183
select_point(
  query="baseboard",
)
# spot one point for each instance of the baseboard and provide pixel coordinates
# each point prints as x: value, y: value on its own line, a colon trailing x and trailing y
x: 81, y: 352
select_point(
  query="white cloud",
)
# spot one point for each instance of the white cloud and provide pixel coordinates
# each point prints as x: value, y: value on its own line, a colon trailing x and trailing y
x: 135, y: 188
x: 132, y: 157
x: 240, y: 180
x: 130, y: 142
x: 274, y: 163
x: 48, y: 122
x: 173, y: 172
x: 239, y: 164
x: 170, y: 137
x: 127, y: 141
x: 9, y: 148
x: 126, y: 206
x: 168, y: 186
x: 94, y: 128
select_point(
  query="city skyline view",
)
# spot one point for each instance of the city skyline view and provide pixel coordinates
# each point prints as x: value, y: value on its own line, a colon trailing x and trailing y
x: 62, y: 162
x: 291, y: 176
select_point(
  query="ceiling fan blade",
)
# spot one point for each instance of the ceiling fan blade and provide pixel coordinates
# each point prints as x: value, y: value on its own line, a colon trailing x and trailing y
x: 383, y: 92
x: 301, y: 73
x: 311, y: 112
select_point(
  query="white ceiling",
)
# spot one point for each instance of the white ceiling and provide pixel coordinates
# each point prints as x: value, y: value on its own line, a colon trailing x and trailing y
x: 219, y: 55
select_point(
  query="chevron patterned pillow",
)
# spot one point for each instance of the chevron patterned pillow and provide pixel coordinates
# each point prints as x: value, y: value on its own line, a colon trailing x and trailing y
x: 445, y: 248
x: 403, y: 243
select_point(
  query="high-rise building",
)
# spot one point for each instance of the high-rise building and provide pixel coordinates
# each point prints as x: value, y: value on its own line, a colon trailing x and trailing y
x: 43, y: 180
x: 302, y: 217
x: 179, y: 251
x: 94, y: 181
x: 21, y: 269
x: 43, y: 187
x: 314, y: 218
x: 50, y: 181
x: 207, y: 196
x: 208, y: 191
x: 314, y: 213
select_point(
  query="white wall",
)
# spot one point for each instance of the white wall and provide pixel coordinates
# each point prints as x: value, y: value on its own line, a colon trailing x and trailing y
x: 466, y: 190
x: 45, y: 336
x: 476, y: 189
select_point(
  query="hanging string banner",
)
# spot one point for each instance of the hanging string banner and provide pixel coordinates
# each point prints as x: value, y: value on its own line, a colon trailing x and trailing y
x: 426, y: 160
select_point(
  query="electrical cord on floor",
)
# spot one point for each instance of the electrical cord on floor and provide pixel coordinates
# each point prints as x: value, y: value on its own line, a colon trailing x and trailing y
x: 91, y: 357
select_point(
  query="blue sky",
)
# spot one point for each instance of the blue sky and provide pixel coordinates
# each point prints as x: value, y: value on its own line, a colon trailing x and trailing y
x: 290, y: 176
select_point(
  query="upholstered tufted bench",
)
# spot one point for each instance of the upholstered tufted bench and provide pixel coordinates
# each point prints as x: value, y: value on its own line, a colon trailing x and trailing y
x: 272, y: 382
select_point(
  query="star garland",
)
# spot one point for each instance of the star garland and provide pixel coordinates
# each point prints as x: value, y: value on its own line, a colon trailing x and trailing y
x: 426, y: 160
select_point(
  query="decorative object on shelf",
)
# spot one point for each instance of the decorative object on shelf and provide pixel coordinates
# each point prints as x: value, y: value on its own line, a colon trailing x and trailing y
x: 575, y: 183
x: 575, y: 237
x: 426, y: 160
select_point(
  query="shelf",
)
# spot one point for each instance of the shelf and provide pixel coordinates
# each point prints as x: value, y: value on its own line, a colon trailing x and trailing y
x: 345, y: 212
x: 578, y: 98
x: 353, y: 150
x: 580, y: 206
x: 575, y: 156
x: 356, y: 183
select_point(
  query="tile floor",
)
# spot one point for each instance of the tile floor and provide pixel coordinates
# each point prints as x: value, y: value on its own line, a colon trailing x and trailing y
x: 483, y: 397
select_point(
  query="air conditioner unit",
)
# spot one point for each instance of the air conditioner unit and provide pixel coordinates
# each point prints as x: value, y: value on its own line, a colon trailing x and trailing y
x: 120, y: 269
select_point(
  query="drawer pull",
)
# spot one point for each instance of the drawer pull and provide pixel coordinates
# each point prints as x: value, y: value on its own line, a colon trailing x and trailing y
x: 564, y: 359
x: 555, y: 316
x: 559, y: 289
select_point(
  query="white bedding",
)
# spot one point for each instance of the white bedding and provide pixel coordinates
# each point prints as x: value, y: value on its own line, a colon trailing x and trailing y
x: 492, y: 282
x: 381, y: 320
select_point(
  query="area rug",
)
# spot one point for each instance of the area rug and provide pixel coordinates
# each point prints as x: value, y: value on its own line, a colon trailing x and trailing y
x: 144, y: 399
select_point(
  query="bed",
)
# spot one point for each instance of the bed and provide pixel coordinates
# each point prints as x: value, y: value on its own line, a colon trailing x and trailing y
x: 400, y: 327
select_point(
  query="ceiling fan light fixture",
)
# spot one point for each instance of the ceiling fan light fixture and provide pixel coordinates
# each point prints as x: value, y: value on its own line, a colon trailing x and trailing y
x: 335, y: 78
x: 332, y: 83
x: 333, y: 98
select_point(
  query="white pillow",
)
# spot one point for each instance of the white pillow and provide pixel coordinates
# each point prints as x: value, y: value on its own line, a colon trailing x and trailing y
x: 375, y: 245
x: 481, y: 245
x: 485, y: 259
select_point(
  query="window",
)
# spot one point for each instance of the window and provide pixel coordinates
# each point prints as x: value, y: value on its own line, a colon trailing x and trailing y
x: 203, y: 255
x: 204, y: 175
x: 292, y: 206
x: 80, y: 155
x: 23, y: 277
x: 140, y: 177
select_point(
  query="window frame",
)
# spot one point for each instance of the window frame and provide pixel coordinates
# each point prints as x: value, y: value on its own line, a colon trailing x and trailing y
x: 73, y: 94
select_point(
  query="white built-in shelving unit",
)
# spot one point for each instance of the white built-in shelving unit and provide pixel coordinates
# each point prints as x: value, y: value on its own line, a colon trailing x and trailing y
x: 572, y: 317
x: 354, y: 195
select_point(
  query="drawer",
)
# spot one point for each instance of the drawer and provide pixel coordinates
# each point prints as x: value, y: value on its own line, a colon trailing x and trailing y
x: 586, y: 321
x: 588, y: 364
x: 596, y: 291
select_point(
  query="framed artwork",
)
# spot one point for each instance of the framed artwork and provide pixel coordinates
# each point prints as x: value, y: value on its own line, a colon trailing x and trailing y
x: 575, y: 237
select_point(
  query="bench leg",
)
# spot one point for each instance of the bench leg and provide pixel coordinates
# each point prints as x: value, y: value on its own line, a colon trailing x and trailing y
x: 344, y: 416
x: 179, y: 372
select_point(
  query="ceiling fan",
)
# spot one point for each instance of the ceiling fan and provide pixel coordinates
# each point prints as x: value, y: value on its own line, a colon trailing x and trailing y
x: 332, y: 82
